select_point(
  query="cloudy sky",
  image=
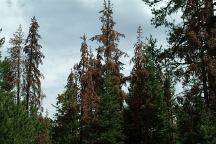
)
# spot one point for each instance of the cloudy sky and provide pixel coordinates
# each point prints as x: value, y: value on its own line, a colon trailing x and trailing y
x: 62, y: 22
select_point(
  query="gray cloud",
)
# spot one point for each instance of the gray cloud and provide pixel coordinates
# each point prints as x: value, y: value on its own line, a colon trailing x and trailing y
x: 61, y: 25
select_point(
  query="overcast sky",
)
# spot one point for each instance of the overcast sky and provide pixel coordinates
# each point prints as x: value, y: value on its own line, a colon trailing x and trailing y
x: 62, y: 22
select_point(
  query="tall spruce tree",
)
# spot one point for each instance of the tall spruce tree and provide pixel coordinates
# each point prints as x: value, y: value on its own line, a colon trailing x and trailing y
x: 15, y: 60
x: 146, y: 119
x: 82, y: 69
x: 88, y: 95
x: 66, y: 128
x: 137, y: 95
x: 109, y: 51
x: 110, y: 114
x: 84, y: 94
x: 94, y: 78
x: 32, y: 75
x: 110, y: 117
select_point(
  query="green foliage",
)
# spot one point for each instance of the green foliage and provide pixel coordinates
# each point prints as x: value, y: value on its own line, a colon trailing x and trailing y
x: 5, y: 83
x: 45, y: 130
x: 110, y: 116
x: 31, y: 73
x: 4, y: 70
x: 90, y: 110
x: 162, y: 10
x: 15, y: 60
x: 147, y: 121
x: 191, y: 59
x: 16, y: 127
x: 66, y: 125
x: 195, y: 122
x: 188, y: 118
x: 2, y: 40
x: 207, y: 128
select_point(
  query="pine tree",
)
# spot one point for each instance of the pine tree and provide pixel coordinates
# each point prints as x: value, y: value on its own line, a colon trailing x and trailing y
x: 192, y: 59
x: 66, y: 128
x: 192, y: 50
x: 15, y: 60
x: 32, y: 75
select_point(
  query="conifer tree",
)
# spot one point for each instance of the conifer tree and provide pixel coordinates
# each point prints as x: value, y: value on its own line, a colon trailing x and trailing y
x: 146, y: 120
x: 84, y: 62
x: 88, y: 94
x: 92, y: 103
x: 109, y: 51
x: 93, y: 76
x: 110, y: 115
x: 137, y: 95
x: 191, y: 53
x: 82, y: 68
x: 15, y: 60
x: 2, y: 40
x: 169, y: 101
x: 15, y: 124
x: 192, y: 59
x: 66, y: 128
x: 32, y: 75
x: 136, y: 100
x: 5, y: 83
x: 45, y: 135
